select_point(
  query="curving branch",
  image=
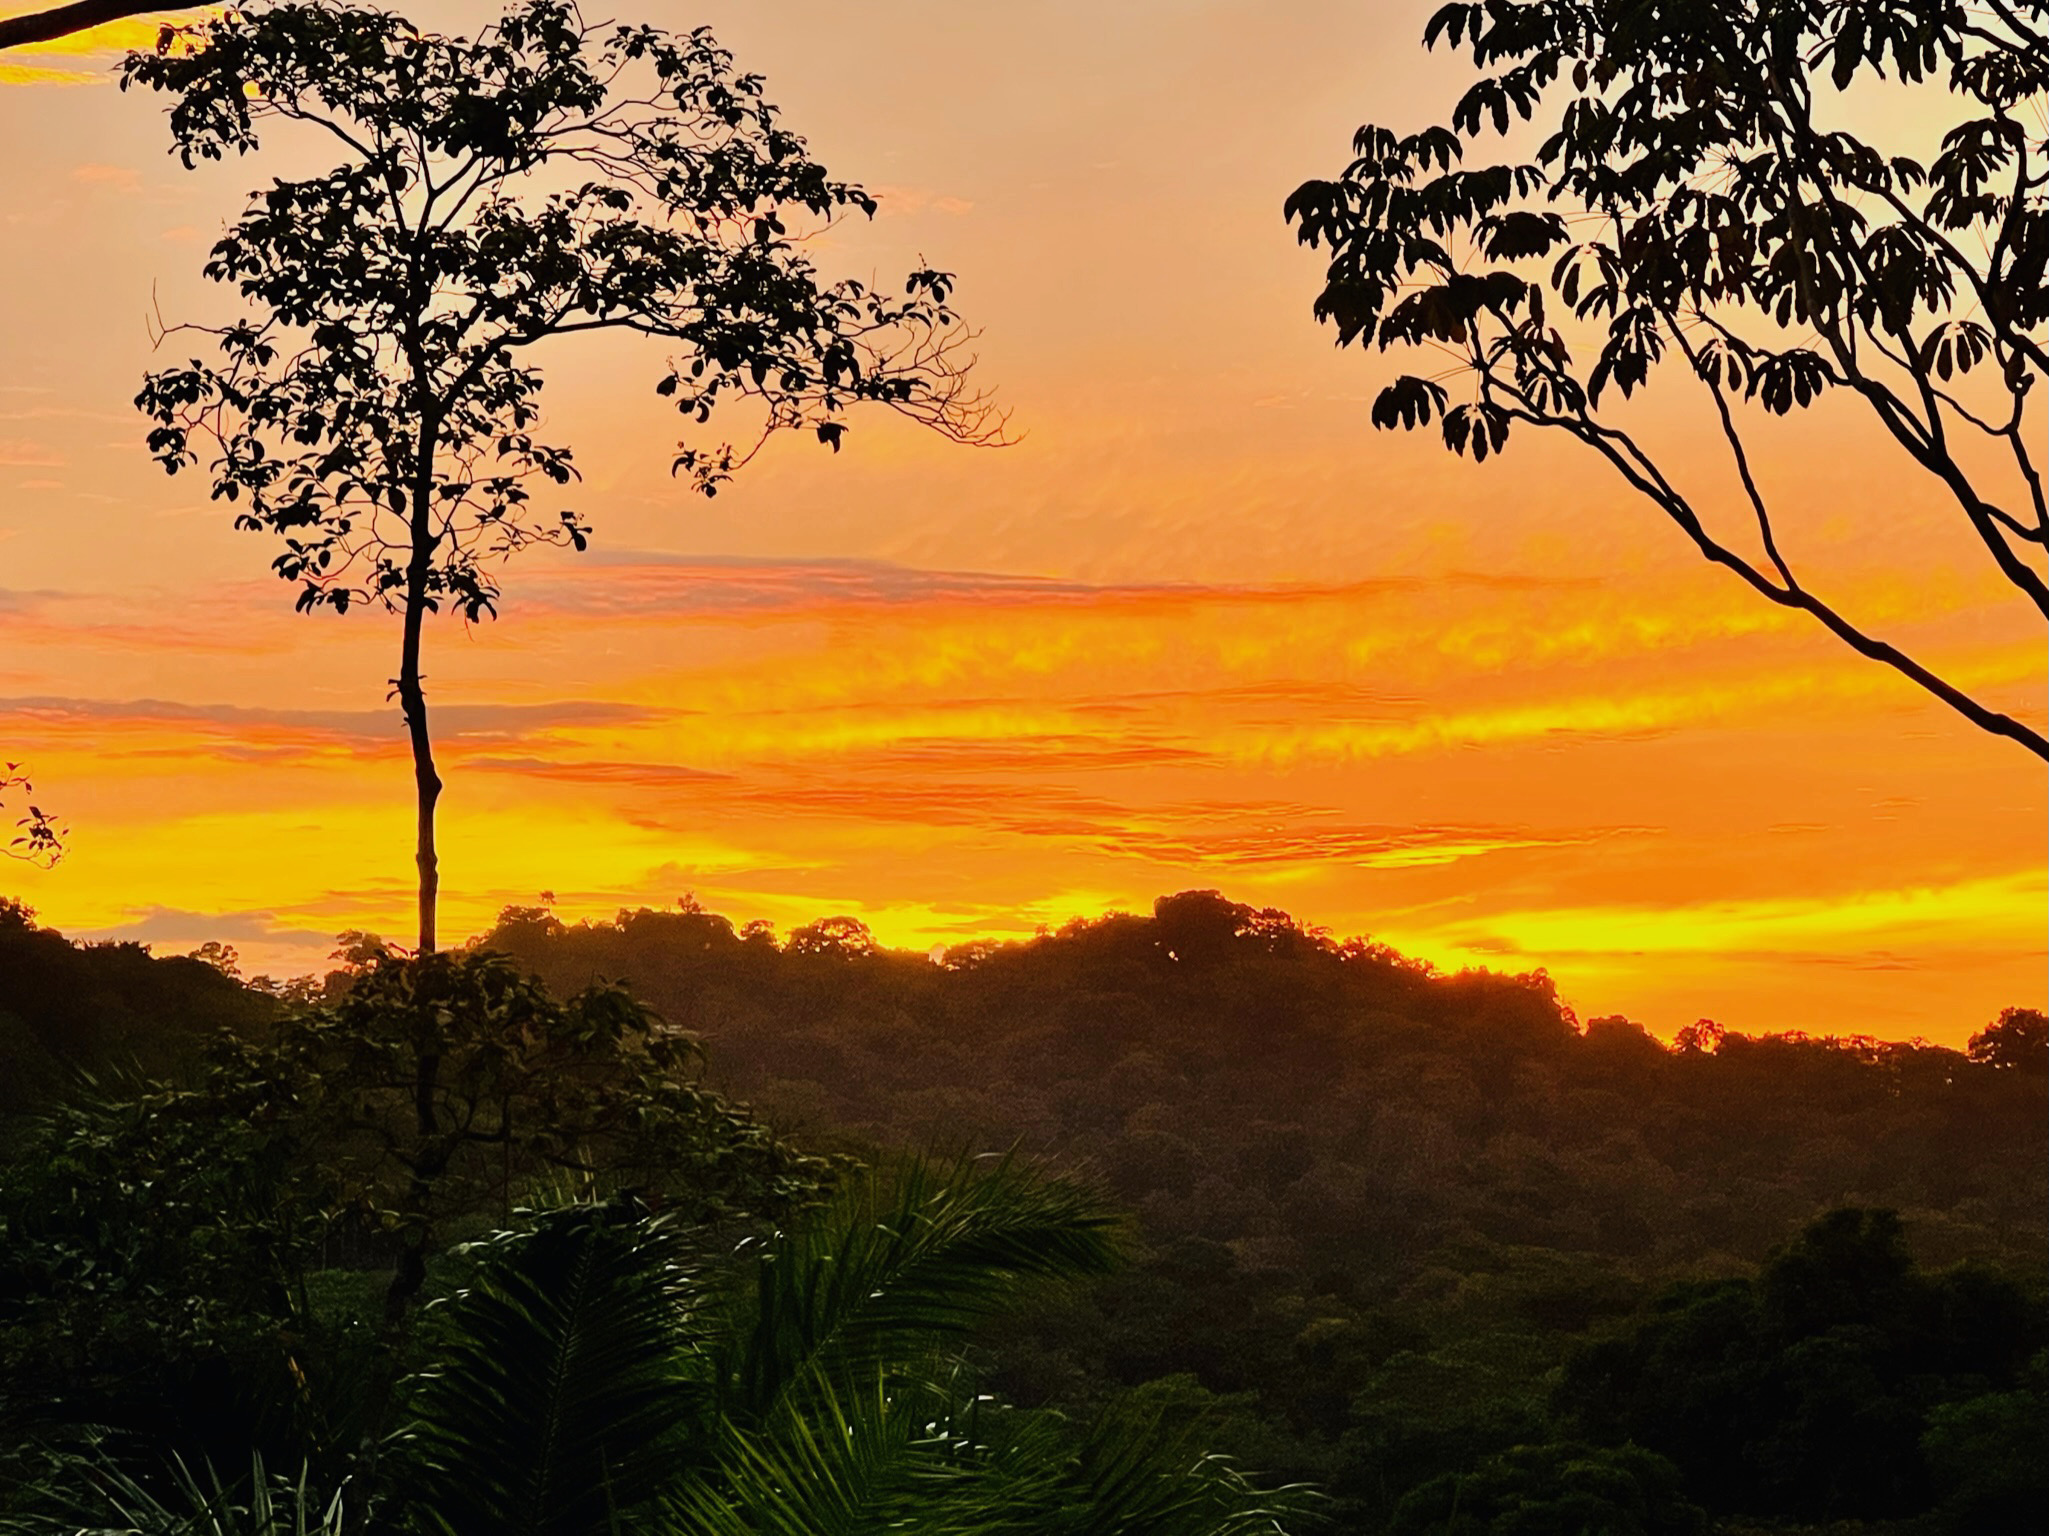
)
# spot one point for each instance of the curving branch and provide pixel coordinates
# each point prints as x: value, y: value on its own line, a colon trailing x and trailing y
x: 1780, y: 261
x: 48, y: 26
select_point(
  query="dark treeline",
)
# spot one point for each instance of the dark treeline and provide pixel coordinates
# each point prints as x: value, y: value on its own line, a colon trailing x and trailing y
x: 1423, y: 1240
x: 67, y: 1009
x: 1323, y: 1105
x: 1384, y: 1211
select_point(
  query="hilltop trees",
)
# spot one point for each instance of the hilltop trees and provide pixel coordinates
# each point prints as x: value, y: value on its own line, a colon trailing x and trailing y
x: 2017, y: 1039
x: 376, y: 408
x: 1690, y: 198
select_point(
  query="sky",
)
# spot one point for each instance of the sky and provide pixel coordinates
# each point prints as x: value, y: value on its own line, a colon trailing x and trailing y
x: 1200, y: 626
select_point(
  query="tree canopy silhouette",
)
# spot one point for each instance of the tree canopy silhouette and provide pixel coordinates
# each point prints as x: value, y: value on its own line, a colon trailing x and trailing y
x: 1690, y: 194
x: 376, y: 408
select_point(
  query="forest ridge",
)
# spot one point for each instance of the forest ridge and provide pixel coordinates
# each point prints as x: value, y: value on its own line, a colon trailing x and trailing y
x: 1191, y: 1222
x: 1393, y: 1232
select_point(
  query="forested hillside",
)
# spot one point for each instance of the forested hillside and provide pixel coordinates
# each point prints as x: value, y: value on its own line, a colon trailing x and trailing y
x: 1319, y: 1104
x: 1426, y: 1242
x: 1380, y: 1208
x: 101, y: 1009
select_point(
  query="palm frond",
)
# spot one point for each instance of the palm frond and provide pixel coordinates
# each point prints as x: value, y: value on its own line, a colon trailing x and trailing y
x: 896, y: 1261
x: 839, y: 1461
x: 562, y: 1393
x: 90, y: 1493
x: 932, y: 1459
x: 1125, y: 1474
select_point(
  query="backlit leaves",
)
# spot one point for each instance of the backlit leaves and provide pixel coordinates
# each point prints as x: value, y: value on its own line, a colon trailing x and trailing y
x: 1681, y: 171
x: 375, y: 408
x: 1408, y: 402
x: 1689, y: 191
x: 37, y: 838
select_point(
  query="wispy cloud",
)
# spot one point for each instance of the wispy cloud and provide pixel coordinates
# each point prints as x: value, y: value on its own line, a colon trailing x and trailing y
x: 44, y: 74
x: 16, y: 601
x: 615, y: 582
x: 17, y: 453
x: 574, y: 771
x: 1286, y: 842
x: 175, y: 925
x: 454, y: 722
x: 1846, y: 928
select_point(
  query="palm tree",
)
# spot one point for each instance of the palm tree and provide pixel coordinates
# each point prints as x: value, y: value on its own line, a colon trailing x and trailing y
x: 603, y: 1373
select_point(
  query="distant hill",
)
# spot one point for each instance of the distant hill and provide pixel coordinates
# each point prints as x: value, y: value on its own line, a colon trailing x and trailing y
x: 102, y: 1009
x: 1308, y: 1102
x: 1384, y: 1218
x: 1380, y: 1211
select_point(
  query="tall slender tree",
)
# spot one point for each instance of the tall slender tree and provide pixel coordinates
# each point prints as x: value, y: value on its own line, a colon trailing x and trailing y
x: 376, y: 407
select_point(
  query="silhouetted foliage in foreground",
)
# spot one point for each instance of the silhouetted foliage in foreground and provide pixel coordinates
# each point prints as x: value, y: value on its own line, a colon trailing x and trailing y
x: 161, y: 1244
x: 601, y: 1369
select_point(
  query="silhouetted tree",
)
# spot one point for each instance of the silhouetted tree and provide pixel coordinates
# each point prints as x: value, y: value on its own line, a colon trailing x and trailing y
x: 547, y: 177
x: 844, y: 938
x: 2018, y: 1038
x: 1689, y: 192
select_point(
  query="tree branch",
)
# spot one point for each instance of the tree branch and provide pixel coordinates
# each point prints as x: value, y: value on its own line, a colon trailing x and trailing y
x: 1682, y: 513
x: 46, y: 26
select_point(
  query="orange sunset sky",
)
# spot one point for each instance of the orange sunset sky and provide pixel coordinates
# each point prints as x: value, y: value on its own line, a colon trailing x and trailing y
x: 1201, y: 627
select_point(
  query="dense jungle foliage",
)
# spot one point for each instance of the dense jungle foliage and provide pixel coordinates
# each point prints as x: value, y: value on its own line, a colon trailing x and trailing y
x: 1425, y: 1242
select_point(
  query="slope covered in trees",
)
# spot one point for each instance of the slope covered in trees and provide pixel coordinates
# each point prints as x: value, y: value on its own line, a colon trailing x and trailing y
x: 1382, y: 1209
x: 1425, y: 1241
x: 1242, y: 1080
x: 98, y: 1009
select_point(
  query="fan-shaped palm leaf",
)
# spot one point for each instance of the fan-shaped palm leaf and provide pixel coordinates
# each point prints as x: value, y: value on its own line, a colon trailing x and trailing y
x: 847, y: 1462
x: 912, y: 1459
x: 896, y: 1262
x: 564, y: 1393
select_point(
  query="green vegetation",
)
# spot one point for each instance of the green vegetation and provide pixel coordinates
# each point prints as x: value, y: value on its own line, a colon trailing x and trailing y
x: 601, y: 1369
x: 1419, y: 1240
x: 490, y: 1240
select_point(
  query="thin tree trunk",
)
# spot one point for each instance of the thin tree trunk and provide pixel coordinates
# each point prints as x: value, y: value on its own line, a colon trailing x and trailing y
x: 426, y: 782
x: 412, y: 695
x: 411, y: 1270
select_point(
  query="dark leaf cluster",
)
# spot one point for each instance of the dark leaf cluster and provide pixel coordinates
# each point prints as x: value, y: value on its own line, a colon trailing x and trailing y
x: 1687, y: 196
x: 376, y: 408
x: 38, y: 839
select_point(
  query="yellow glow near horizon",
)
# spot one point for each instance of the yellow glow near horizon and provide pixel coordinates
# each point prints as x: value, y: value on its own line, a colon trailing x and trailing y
x: 1203, y: 627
